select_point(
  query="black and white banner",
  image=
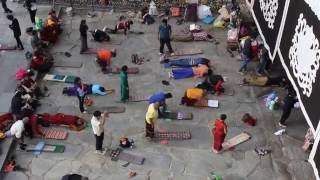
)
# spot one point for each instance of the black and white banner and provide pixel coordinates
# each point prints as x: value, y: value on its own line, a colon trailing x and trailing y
x: 291, y: 29
x: 269, y: 16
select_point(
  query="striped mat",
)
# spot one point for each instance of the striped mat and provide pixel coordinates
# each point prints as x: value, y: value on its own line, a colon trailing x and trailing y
x: 54, y: 134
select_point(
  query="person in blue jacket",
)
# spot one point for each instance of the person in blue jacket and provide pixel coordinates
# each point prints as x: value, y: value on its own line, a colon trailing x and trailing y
x: 160, y: 97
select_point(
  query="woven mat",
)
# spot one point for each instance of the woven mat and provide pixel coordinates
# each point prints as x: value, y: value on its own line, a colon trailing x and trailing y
x: 182, y: 135
x: 54, y: 134
x: 138, y: 98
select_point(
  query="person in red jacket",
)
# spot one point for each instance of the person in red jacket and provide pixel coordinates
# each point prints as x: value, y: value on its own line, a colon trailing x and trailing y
x: 123, y: 24
x: 73, y: 122
x: 219, y: 132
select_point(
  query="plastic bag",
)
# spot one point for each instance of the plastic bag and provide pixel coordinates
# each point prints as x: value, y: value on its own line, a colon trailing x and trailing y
x: 219, y: 24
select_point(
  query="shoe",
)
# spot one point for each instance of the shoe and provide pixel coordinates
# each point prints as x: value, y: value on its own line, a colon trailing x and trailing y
x: 160, y: 53
x: 241, y: 73
x: 284, y: 125
x: 100, y: 152
x: 172, y: 54
x: 259, y: 74
x: 84, y: 112
x: 170, y: 75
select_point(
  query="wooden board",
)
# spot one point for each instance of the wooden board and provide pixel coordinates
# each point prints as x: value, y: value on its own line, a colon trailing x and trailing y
x: 116, y: 70
x: 242, y: 137
x: 178, y: 115
x: 68, y: 64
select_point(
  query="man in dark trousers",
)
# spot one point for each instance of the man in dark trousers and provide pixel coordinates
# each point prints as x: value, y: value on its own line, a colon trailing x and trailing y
x: 289, y: 102
x: 15, y: 27
x: 164, y: 36
x: 4, y: 6
x: 246, y: 56
x: 83, y: 35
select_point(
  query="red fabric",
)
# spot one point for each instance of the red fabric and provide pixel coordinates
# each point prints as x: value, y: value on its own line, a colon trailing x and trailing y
x: 250, y: 121
x: 36, y: 62
x: 34, y: 125
x: 218, y: 86
x: 60, y: 118
x: 3, y: 118
x: 218, y: 134
x: 123, y: 25
x: 49, y: 33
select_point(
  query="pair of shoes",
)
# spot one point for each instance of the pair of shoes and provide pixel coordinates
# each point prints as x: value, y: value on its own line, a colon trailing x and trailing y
x: 101, y: 152
x: 284, y: 125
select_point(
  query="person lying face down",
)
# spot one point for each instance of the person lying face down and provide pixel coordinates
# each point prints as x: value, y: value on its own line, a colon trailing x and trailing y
x: 73, y: 122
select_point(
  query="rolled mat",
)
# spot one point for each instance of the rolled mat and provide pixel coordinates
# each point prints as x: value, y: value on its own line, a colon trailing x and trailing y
x: 182, y: 135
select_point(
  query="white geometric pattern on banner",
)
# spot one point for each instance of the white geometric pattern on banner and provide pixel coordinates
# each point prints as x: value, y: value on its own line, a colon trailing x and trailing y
x: 269, y: 9
x: 315, y: 6
x: 304, y: 55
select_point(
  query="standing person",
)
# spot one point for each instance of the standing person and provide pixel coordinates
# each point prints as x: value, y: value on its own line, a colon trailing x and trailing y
x: 289, y: 102
x: 219, y: 132
x: 264, y: 58
x: 32, y: 8
x: 164, y: 36
x: 5, y: 7
x: 35, y: 41
x: 161, y: 99
x: 97, y: 123
x: 151, y: 119
x: 83, y: 35
x: 124, y: 85
x: 15, y: 27
x: 81, y: 94
x: 246, y: 55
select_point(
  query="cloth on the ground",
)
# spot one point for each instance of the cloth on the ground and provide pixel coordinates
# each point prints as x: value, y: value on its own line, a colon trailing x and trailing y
x: 152, y: 114
x: 195, y: 93
x: 201, y: 36
x: 158, y: 97
x: 17, y: 129
x: 96, y: 128
x: 200, y: 70
x: 203, y: 11
x: 182, y: 37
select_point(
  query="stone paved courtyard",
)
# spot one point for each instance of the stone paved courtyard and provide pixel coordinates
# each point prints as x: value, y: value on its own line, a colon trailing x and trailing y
x: 178, y: 160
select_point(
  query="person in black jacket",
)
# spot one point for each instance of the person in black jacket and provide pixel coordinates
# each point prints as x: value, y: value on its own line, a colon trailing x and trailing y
x: 83, y: 34
x: 4, y: 6
x: 246, y: 55
x: 15, y: 27
x: 31, y: 7
x: 289, y: 102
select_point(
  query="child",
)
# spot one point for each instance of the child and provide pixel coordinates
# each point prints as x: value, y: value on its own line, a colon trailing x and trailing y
x: 126, y: 143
